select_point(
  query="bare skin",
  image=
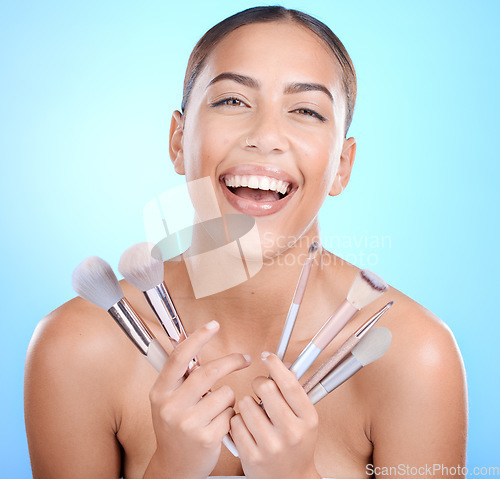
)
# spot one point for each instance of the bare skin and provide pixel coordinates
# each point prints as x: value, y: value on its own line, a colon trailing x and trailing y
x: 95, y: 407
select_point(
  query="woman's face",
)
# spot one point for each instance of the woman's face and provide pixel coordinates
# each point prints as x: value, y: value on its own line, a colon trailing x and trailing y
x: 267, y: 114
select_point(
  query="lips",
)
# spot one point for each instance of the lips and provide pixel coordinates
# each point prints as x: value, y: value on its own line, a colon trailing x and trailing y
x: 257, y: 190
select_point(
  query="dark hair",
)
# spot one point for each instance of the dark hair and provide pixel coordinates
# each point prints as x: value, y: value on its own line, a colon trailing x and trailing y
x: 271, y: 14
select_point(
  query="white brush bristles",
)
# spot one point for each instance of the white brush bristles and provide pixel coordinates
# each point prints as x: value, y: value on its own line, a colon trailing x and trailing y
x: 373, y: 346
x: 142, y: 266
x: 94, y: 280
x: 367, y: 287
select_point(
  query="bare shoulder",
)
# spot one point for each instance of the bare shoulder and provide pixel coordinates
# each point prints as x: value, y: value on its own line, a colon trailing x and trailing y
x: 417, y: 389
x: 77, y: 335
x: 73, y: 381
x: 422, y: 342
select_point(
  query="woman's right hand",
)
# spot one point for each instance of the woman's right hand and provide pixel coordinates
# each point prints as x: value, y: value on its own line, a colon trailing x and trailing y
x: 190, y: 424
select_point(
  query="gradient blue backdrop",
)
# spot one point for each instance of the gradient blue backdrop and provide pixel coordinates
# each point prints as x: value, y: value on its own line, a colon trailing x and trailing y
x: 87, y: 89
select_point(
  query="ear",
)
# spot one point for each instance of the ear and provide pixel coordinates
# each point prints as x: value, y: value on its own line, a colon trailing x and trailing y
x: 175, y: 148
x: 345, y: 167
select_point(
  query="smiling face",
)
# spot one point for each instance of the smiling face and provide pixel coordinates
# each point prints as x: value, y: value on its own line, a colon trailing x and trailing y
x: 266, y: 123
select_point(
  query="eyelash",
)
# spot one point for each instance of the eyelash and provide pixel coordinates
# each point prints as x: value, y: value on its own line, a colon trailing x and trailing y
x: 225, y: 102
x: 304, y: 111
x: 309, y: 112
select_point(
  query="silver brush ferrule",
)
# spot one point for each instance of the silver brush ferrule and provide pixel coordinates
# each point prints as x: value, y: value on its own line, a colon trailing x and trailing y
x: 162, y: 305
x: 132, y: 325
x: 347, y: 368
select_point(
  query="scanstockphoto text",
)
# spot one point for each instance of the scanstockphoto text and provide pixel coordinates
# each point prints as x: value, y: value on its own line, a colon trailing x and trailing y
x: 437, y: 470
x: 361, y: 250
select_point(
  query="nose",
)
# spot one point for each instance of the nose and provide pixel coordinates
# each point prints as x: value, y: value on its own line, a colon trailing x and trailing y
x: 267, y: 133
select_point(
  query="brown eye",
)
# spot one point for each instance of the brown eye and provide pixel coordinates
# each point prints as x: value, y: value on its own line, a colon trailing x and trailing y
x: 312, y: 113
x: 229, y: 102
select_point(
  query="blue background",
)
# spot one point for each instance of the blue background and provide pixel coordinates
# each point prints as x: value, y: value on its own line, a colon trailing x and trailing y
x: 87, y: 90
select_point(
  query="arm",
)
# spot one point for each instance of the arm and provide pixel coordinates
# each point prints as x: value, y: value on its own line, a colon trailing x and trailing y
x: 70, y: 428
x: 419, y: 413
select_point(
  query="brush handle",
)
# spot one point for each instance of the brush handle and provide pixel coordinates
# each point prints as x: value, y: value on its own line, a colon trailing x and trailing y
x: 130, y: 323
x: 156, y: 355
x: 305, y: 359
x: 339, y: 375
x: 287, y: 330
x: 323, y: 338
x: 334, y: 324
x: 330, y: 363
x: 294, y: 307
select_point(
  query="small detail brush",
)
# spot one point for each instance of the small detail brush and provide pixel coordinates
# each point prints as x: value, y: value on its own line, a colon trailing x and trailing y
x: 370, y: 348
x: 344, y: 350
x: 366, y: 287
x: 94, y: 280
x: 297, y: 300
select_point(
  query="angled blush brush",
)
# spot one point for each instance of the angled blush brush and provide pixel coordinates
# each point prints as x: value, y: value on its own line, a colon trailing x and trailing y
x: 370, y: 348
x: 297, y: 300
x: 94, y: 280
x: 345, y: 349
x: 366, y: 287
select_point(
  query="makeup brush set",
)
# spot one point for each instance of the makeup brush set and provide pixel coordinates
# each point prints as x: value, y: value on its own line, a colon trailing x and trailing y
x: 142, y: 266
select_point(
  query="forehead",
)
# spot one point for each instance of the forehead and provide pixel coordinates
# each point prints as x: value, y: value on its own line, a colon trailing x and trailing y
x: 280, y: 50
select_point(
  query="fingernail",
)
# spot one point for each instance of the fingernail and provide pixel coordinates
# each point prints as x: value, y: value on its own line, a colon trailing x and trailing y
x: 212, y: 325
x: 248, y: 358
x: 264, y: 355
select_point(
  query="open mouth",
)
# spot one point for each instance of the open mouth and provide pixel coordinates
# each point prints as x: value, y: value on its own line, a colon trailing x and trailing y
x: 257, y: 187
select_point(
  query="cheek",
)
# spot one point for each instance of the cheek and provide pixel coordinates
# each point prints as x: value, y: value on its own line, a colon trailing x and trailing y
x: 321, y: 160
x: 207, y: 141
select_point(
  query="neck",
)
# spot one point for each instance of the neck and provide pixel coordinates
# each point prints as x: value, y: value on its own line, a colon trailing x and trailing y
x: 258, y: 303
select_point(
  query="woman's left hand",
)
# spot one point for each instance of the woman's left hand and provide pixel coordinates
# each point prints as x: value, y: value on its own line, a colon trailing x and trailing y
x: 280, y: 440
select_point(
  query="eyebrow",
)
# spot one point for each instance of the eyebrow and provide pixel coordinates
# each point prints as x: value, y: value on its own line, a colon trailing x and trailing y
x: 299, y: 87
x: 250, y: 82
x: 243, y: 79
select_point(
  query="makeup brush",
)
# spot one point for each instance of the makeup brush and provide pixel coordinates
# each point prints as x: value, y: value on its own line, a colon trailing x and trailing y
x: 142, y: 266
x: 366, y: 287
x: 94, y: 280
x: 370, y: 348
x: 297, y: 300
x: 344, y: 350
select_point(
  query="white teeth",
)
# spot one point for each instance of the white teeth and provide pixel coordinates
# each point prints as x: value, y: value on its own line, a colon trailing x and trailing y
x: 253, y: 182
x: 264, y: 183
x: 257, y: 182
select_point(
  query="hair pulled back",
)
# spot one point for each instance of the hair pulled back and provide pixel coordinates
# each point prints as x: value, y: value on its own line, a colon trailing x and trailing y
x: 271, y: 14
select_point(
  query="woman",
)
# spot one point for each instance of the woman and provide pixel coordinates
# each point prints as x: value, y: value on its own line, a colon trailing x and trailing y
x: 270, y: 93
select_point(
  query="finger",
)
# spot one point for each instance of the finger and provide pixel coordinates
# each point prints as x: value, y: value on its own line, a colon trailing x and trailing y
x: 174, y: 370
x: 201, y: 380
x: 290, y: 388
x: 256, y: 421
x: 220, y: 425
x: 243, y: 440
x: 275, y: 405
x: 212, y: 405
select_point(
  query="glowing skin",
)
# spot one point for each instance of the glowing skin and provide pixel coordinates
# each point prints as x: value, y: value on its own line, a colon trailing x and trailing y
x: 290, y: 107
x: 408, y: 407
